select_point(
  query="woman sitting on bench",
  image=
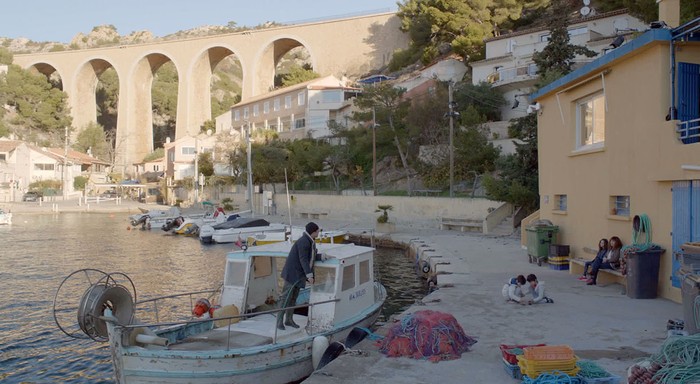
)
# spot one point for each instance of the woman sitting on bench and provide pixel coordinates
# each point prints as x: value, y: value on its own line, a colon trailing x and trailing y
x: 602, y: 250
x: 611, y: 260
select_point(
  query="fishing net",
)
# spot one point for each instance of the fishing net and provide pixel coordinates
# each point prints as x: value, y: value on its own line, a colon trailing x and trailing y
x: 430, y: 335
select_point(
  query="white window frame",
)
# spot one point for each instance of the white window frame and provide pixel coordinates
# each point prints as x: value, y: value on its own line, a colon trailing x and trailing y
x: 276, y: 104
x: 245, y: 112
x: 237, y: 115
x: 256, y: 110
x: 590, y: 122
x: 287, y: 102
x: 301, y: 99
x: 266, y: 107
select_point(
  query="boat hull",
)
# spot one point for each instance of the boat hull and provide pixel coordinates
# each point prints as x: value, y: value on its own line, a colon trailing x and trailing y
x: 273, y: 363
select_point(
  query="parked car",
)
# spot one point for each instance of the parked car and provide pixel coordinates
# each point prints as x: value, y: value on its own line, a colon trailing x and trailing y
x: 111, y: 194
x: 32, y: 196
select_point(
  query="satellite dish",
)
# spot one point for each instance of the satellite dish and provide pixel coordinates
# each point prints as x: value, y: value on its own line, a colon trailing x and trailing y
x: 586, y: 2
x: 585, y: 11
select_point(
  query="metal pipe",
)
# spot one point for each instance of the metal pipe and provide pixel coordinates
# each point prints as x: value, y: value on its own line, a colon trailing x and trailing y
x: 452, y: 158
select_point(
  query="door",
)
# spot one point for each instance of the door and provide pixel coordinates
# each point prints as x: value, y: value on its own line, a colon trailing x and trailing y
x: 686, y: 220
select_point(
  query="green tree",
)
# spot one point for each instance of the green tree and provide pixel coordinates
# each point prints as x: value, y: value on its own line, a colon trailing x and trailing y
x: 5, y: 56
x: 439, y: 26
x: 92, y: 137
x: 158, y: 153
x: 483, y: 98
x: 107, y: 99
x: 205, y: 164
x: 297, y: 74
x: 390, y: 109
x: 40, y: 107
x: 517, y: 179
x: 164, y: 94
x: 558, y: 55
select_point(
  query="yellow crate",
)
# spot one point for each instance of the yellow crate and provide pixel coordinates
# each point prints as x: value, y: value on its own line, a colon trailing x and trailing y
x: 533, y: 368
x: 549, y: 352
x: 558, y: 259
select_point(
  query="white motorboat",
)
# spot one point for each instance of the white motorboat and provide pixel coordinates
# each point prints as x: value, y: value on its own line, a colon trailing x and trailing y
x: 237, y: 230
x: 154, y: 218
x: 190, y: 225
x: 5, y: 217
x: 332, y: 236
x: 240, y: 342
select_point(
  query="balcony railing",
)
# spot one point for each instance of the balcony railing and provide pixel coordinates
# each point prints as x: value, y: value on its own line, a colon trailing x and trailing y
x: 509, y: 74
x: 689, y: 131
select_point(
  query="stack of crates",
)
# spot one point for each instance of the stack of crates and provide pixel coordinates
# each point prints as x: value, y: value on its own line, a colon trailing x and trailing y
x: 558, y: 257
x: 510, y: 358
x: 547, y: 359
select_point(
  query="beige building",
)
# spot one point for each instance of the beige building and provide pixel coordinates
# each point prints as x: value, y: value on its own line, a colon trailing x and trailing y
x: 508, y: 63
x: 297, y: 111
x: 619, y: 138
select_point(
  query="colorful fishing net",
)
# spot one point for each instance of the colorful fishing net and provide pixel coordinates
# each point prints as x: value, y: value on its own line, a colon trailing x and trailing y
x: 428, y: 335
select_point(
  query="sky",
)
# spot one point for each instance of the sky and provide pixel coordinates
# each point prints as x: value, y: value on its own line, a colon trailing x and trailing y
x: 60, y: 21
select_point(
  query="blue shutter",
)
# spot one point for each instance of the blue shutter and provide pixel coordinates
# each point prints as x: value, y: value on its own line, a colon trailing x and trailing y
x: 686, y: 220
x: 689, y: 100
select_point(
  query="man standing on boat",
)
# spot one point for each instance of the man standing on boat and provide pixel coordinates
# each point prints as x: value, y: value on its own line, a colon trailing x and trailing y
x: 298, y: 269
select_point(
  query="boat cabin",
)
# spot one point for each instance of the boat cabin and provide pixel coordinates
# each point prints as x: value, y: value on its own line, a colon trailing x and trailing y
x: 252, y: 281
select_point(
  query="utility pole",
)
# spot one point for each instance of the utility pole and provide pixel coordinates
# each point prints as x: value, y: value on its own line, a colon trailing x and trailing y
x: 196, y: 170
x: 65, y: 163
x: 374, y: 152
x: 250, y: 170
x: 452, y: 157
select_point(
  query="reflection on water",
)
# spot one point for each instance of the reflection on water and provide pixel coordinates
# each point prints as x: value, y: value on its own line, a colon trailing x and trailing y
x: 39, y: 251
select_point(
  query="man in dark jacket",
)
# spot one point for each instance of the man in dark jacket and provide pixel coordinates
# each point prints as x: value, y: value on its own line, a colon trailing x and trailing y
x: 298, y: 269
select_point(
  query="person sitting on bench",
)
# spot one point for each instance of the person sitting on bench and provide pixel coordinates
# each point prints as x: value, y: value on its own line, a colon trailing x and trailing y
x: 611, y: 260
x: 602, y: 250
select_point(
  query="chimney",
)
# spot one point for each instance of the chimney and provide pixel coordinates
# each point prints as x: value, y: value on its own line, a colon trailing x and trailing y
x: 670, y: 12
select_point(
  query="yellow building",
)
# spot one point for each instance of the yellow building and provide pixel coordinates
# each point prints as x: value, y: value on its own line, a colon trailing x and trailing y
x: 620, y: 137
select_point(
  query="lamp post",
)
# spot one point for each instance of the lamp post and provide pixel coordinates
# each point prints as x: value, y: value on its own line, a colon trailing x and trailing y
x: 65, y: 163
x: 250, y: 169
x: 196, y: 169
x: 452, y: 158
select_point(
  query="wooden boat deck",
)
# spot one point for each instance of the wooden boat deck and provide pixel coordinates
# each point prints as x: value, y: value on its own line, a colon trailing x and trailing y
x: 252, y: 332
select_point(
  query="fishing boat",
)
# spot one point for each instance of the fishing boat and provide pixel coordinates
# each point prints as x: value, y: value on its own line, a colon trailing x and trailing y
x: 5, y: 217
x: 154, y: 217
x: 190, y: 225
x: 237, y: 230
x: 332, y: 236
x: 239, y: 342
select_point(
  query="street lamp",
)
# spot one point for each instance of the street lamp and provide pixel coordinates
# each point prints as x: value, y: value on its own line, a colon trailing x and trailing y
x: 374, y: 153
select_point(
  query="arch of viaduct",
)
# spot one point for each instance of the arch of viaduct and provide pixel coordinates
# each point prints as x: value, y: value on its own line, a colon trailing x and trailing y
x: 350, y: 46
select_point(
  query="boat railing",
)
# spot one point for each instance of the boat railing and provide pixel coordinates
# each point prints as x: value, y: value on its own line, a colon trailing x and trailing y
x: 228, y: 319
x: 190, y: 295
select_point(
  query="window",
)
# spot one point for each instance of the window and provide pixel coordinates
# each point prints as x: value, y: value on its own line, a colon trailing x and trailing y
x: 300, y: 123
x: 245, y: 112
x: 545, y: 38
x: 44, y: 167
x: 3, y: 157
x: 287, y: 102
x: 235, y: 274
x: 620, y: 205
x: 276, y: 104
x: 560, y: 203
x: 266, y: 107
x: 301, y: 99
x: 348, y: 277
x: 578, y: 31
x: 364, y: 271
x: 256, y: 110
x: 590, y: 122
x: 324, y: 279
x: 237, y: 115
x: 188, y: 151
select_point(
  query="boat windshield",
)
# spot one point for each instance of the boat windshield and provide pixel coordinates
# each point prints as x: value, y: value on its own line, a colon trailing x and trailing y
x: 235, y: 274
x: 325, y: 279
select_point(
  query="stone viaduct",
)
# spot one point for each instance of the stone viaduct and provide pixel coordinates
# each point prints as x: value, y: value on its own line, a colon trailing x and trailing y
x: 349, y: 46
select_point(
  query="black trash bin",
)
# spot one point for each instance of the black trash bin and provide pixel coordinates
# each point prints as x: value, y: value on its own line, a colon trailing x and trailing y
x: 643, y: 273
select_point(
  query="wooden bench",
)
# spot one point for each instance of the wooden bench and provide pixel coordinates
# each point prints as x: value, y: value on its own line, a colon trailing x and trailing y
x: 605, y: 276
x: 463, y: 225
x: 313, y: 214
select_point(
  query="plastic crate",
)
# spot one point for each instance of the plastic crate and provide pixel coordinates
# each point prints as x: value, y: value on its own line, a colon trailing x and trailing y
x: 559, y: 267
x: 549, y: 352
x: 612, y: 379
x: 513, y: 370
x: 533, y: 368
x: 558, y: 250
x: 558, y: 259
x: 512, y: 358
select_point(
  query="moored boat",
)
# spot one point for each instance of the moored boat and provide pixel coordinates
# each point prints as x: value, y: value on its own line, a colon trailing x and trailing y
x: 5, y: 217
x: 237, y: 230
x: 241, y: 342
x: 330, y: 237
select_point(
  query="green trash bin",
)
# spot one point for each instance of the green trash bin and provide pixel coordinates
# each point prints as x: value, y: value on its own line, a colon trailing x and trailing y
x: 539, y: 238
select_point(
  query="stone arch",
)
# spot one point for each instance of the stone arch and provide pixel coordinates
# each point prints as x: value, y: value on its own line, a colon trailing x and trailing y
x: 199, y: 81
x: 48, y: 70
x: 137, y: 138
x: 83, y: 98
x: 270, y: 55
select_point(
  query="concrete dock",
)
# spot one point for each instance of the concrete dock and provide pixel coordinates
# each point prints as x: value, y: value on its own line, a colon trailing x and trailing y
x: 599, y: 322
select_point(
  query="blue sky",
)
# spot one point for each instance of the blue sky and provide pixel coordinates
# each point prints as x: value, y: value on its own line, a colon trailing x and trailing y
x: 56, y: 20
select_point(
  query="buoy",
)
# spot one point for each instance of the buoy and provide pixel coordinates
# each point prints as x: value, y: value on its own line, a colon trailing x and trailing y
x: 334, y: 350
x: 318, y: 347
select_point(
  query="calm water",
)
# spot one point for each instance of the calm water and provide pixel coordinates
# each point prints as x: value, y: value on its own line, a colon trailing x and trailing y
x: 38, y: 251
